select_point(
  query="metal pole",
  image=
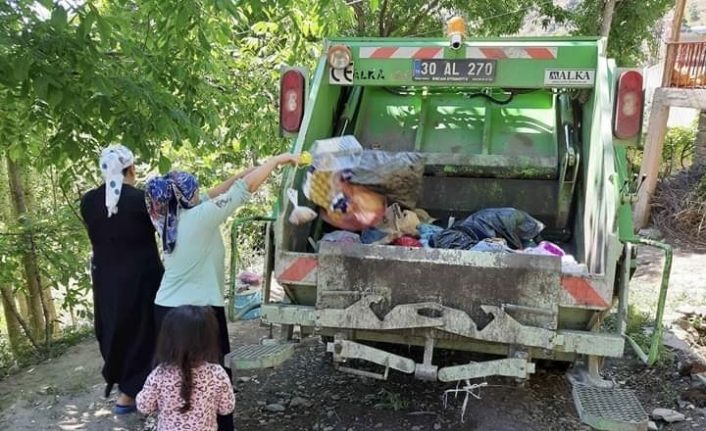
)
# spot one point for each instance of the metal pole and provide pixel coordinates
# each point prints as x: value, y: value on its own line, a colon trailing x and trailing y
x: 658, y: 328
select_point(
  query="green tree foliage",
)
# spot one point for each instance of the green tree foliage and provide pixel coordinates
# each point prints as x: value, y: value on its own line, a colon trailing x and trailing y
x: 426, y: 18
x: 634, y: 33
x: 190, y: 83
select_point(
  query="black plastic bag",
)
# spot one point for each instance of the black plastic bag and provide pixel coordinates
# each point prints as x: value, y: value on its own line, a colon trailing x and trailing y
x: 398, y: 176
x: 515, y: 226
x: 453, y: 239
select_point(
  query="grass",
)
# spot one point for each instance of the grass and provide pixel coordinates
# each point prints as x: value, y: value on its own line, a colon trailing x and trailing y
x: 391, y: 401
x: 639, y: 328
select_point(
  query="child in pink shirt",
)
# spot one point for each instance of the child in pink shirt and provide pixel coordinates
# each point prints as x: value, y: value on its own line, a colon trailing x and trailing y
x: 188, y: 388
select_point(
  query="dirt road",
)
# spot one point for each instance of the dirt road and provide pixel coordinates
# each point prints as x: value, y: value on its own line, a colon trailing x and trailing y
x: 65, y: 393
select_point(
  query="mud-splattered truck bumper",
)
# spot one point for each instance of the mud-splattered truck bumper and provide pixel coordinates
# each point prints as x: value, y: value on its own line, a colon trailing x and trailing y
x: 520, y: 306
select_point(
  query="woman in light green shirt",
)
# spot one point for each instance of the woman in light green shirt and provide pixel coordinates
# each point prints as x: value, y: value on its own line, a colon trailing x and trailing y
x: 194, y: 254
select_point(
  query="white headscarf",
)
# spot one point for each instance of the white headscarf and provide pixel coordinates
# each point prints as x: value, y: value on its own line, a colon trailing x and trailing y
x: 113, y: 160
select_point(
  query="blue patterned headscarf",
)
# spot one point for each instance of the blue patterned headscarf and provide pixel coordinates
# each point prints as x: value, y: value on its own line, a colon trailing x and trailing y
x: 164, y: 196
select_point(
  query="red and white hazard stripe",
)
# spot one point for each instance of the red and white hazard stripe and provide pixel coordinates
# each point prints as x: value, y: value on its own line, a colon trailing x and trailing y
x: 401, y: 52
x: 583, y: 293
x: 499, y: 53
x: 296, y: 269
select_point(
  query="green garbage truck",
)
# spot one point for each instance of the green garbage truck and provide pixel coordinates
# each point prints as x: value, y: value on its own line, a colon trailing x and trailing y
x: 542, y: 125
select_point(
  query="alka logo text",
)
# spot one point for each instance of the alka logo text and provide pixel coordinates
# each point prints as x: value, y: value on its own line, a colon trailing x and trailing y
x: 569, y: 77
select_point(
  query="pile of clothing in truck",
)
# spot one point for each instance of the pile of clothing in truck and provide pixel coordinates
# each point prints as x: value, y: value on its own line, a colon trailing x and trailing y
x: 371, y: 197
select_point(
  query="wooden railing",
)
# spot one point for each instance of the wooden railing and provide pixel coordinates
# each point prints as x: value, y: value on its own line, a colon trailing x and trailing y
x: 685, y: 65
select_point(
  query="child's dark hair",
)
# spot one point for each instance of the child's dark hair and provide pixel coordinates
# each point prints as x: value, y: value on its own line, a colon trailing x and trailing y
x: 188, y: 337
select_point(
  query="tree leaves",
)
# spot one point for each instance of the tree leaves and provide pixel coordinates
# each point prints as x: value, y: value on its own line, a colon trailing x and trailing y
x: 21, y: 67
x: 58, y: 17
x: 635, y: 24
x: 164, y: 164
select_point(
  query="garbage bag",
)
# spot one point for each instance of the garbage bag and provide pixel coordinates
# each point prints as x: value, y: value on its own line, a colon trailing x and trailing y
x: 426, y: 232
x: 363, y: 209
x: 492, y: 245
x: 515, y: 226
x: 378, y: 237
x: 407, y: 241
x: 453, y: 239
x: 249, y: 278
x: 325, y: 189
x: 336, y: 154
x: 398, y: 176
x: 299, y: 215
x: 545, y: 248
x: 342, y: 237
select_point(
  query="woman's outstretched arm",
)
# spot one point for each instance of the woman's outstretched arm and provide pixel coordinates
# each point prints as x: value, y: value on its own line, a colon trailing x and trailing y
x: 227, y: 184
x: 258, y: 175
x: 216, y: 210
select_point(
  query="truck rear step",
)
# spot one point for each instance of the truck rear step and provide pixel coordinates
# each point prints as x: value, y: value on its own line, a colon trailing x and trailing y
x: 256, y: 356
x: 609, y: 409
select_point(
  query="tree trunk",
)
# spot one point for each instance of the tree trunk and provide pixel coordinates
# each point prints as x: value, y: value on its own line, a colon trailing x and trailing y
x: 360, y: 18
x: 607, y: 18
x: 30, y: 181
x: 700, y: 143
x: 23, y: 299
x: 11, y: 321
x: 39, y: 319
x: 13, y: 325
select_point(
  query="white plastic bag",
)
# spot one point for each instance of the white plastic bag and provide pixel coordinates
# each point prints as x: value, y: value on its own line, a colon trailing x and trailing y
x: 336, y: 154
x: 299, y: 215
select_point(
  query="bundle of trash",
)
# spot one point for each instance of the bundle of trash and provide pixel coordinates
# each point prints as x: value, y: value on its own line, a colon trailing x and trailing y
x: 371, y: 196
x: 352, y: 186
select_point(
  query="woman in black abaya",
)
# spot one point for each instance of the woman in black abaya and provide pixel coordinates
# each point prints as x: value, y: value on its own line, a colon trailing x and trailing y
x: 126, y: 271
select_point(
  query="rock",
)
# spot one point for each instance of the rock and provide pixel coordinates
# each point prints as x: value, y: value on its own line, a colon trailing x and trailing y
x: 275, y: 408
x: 243, y: 379
x: 683, y: 403
x: 300, y: 402
x: 695, y: 396
x: 437, y: 426
x: 330, y: 413
x: 667, y: 415
x: 652, y: 426
x: 686, y: 309
x: 675, y: 343
x: 690, y: 310
x: 328, y: 428
x: 416, y: 428
x: 335, y: 397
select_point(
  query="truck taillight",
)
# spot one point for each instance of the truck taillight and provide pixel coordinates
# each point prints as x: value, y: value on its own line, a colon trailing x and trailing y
x: 629, y: 100
x: 291, y: 100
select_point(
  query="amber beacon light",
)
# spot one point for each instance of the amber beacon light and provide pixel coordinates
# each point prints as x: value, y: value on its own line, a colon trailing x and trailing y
x: 456, y: 30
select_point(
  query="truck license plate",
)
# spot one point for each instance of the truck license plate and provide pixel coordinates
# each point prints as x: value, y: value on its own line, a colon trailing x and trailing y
x: 467, y: 70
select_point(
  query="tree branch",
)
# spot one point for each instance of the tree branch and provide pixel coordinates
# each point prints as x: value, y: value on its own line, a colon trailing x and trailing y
x: 360, y: 17
x: 381, y: 19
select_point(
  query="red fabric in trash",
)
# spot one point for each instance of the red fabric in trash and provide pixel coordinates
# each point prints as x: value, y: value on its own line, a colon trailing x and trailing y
x: 407, y: 241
